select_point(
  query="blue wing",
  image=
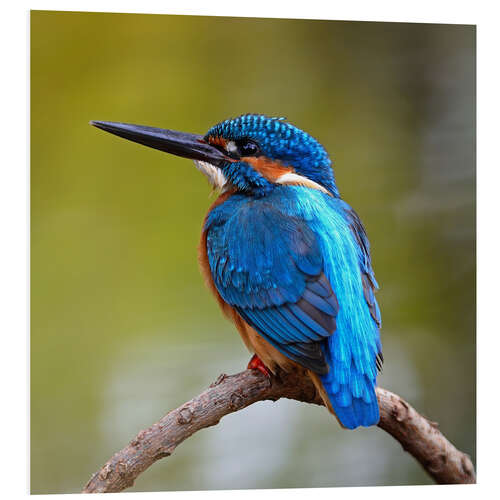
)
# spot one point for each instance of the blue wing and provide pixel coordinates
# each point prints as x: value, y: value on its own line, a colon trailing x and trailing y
x: 269, y: 267
x: 355, y: 352
x: 282, y: 263
x: 368, y: 280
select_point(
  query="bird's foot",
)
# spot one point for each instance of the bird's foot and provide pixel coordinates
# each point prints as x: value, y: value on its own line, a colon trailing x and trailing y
x: 256, y: 364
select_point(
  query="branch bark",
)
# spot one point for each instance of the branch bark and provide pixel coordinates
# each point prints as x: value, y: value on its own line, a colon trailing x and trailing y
x: 418, y: 436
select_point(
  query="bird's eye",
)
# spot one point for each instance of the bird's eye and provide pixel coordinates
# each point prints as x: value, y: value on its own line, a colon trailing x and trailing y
x: 247, y: 147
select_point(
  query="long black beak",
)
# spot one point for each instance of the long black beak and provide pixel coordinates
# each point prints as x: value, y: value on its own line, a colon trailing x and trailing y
x: 190, y: 146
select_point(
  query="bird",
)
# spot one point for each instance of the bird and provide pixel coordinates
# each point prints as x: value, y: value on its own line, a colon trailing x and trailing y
x: 287, y: 259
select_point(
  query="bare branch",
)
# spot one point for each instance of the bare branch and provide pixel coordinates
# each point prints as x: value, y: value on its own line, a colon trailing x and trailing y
x: 418, y: 436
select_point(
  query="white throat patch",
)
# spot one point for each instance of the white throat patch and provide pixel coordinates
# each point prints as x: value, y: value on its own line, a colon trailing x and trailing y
x: 213, y: 174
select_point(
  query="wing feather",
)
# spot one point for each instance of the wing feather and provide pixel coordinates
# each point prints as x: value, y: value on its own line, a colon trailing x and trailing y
x: 269, y: 267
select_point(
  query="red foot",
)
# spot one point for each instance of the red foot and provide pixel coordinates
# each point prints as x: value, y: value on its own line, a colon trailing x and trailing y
x: 256, y: 364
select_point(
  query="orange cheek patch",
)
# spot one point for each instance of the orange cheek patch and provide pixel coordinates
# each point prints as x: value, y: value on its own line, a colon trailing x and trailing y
x: 270, y: 169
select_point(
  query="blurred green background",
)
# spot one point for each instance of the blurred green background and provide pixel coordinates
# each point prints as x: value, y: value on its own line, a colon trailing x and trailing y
x: 122, y: 326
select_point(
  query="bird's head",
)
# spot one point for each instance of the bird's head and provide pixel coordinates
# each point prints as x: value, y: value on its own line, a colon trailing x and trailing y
x: 251, y: 153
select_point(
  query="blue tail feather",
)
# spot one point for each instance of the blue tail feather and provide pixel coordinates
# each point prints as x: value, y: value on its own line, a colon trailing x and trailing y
x: 357, y: 414
x: 351, y: 393
x: 355, y: 411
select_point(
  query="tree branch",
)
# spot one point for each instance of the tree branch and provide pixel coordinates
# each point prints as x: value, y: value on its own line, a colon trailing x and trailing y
x: 418, y: 436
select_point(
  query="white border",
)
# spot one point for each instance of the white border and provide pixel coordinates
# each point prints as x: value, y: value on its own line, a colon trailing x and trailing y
x: 14, y: 201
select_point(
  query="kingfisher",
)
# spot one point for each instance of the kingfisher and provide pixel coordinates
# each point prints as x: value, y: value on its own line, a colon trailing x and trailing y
x: 286, y: 258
